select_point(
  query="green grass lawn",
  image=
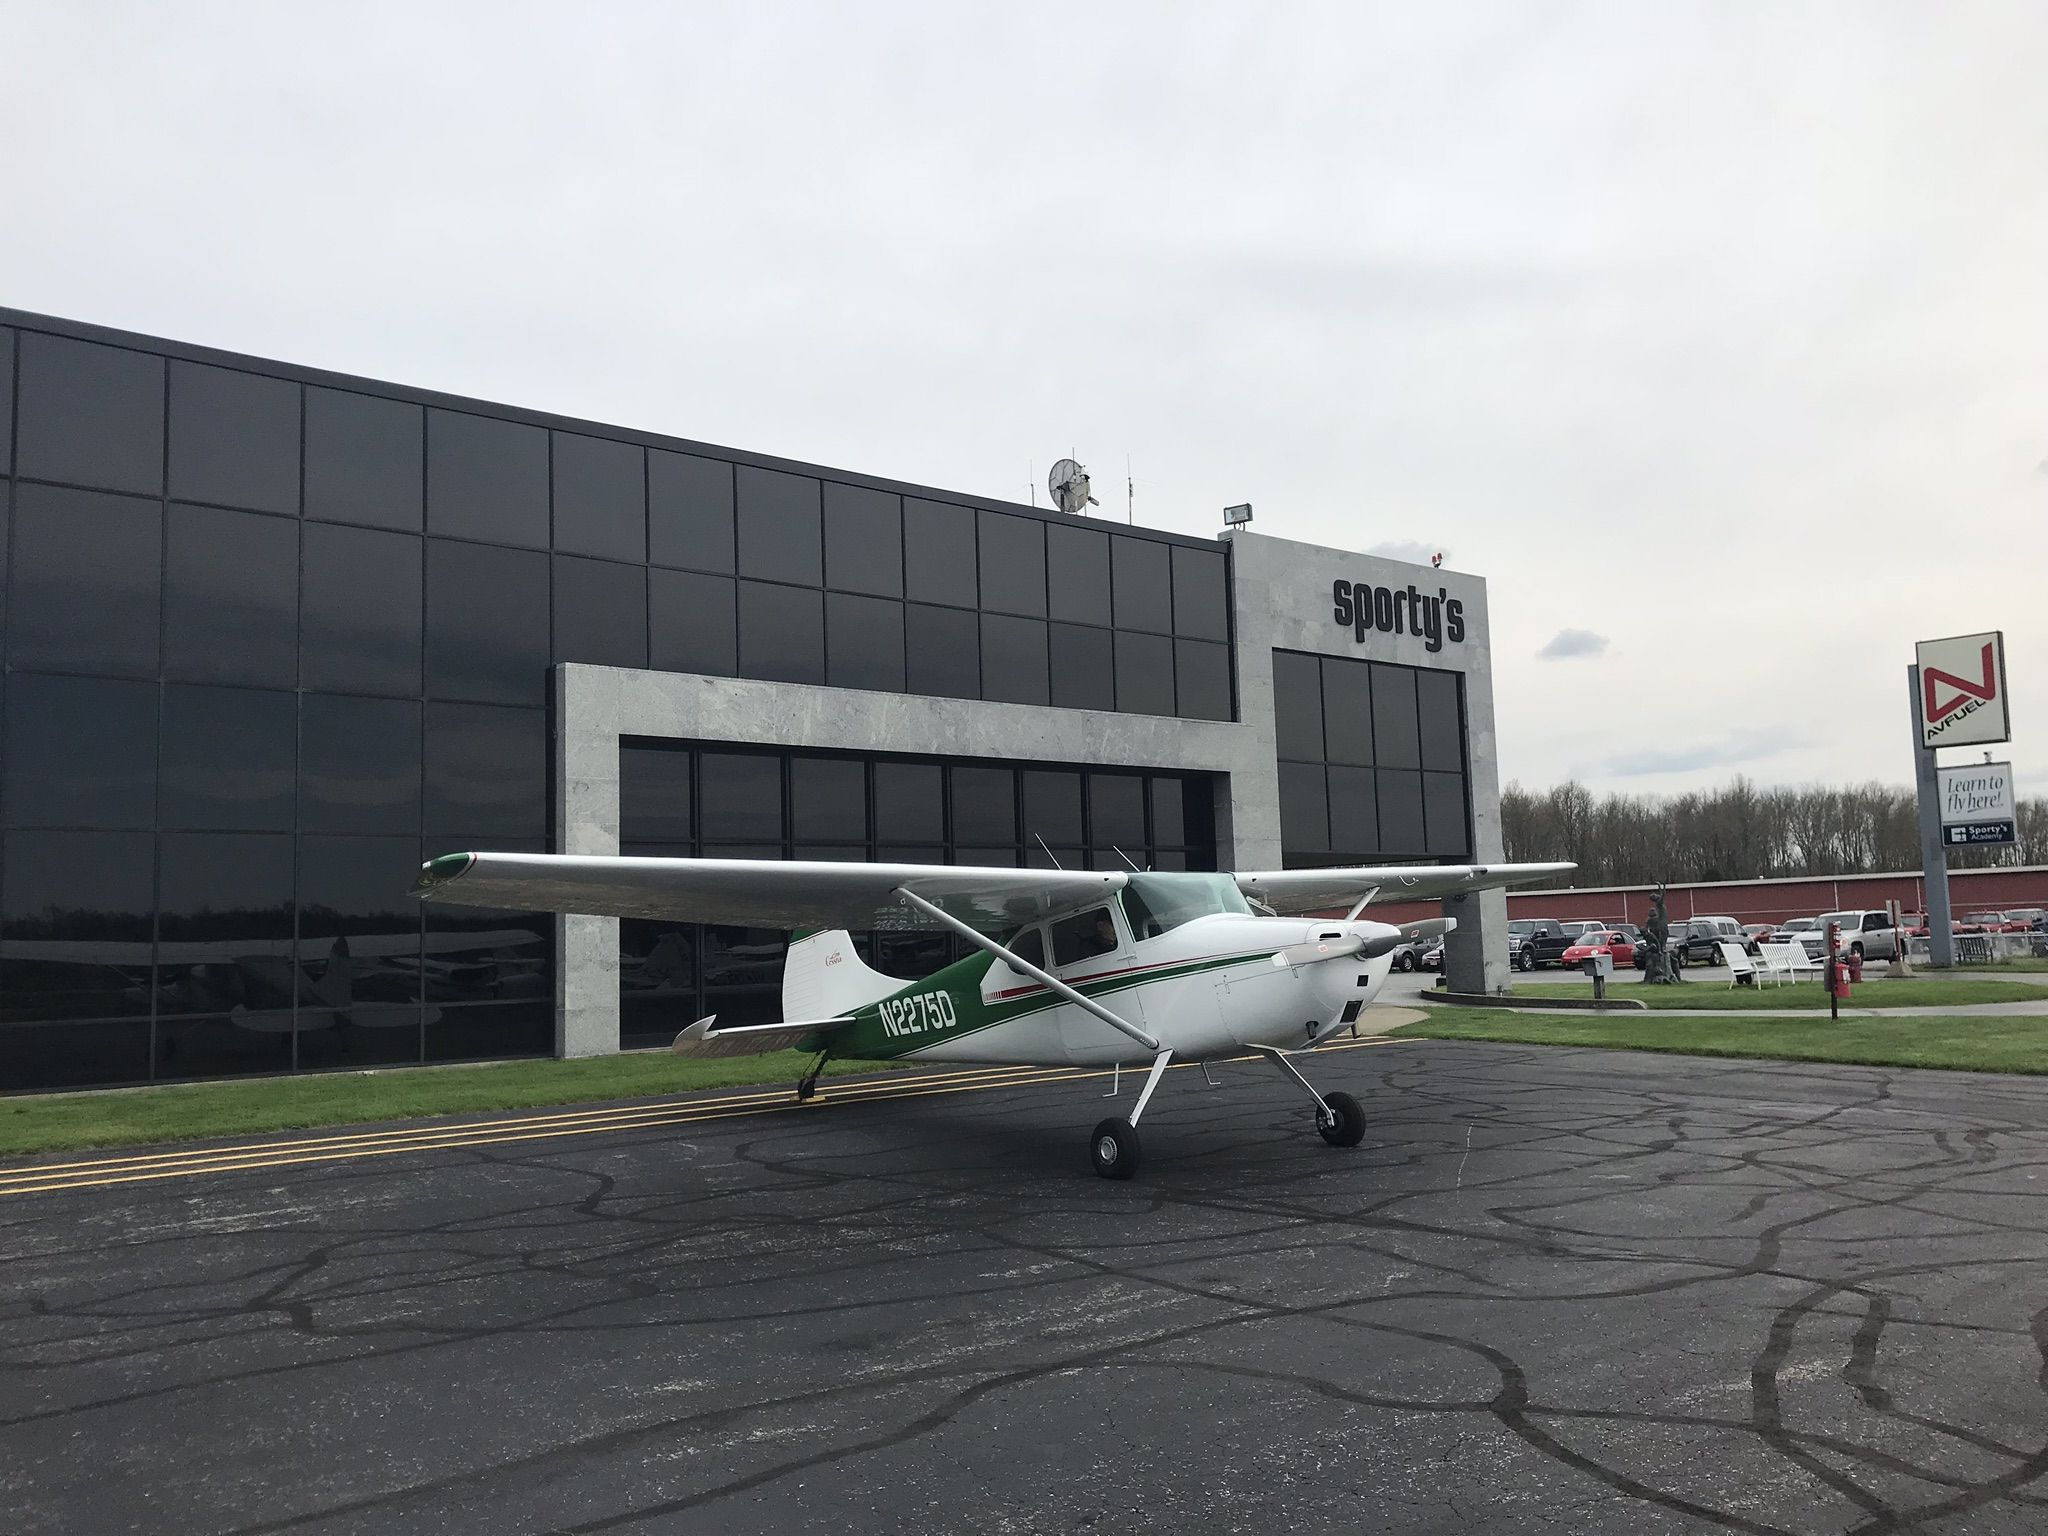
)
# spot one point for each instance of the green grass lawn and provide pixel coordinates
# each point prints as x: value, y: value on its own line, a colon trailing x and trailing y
x: 1871, y: 992
x: 187, y: 1111
x: 1995, y: 1044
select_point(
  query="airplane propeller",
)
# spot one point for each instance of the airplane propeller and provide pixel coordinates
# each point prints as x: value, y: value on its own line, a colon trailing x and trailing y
x: 1366, y: 946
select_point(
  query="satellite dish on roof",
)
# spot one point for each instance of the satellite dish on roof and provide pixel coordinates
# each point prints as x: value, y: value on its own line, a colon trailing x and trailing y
x: 1068, y: 483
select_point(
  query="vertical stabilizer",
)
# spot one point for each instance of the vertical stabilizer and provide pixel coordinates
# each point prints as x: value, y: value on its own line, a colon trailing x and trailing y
x: 824, y: 979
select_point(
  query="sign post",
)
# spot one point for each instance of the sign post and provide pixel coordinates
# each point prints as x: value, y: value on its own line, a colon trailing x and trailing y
x: 1941, y: 933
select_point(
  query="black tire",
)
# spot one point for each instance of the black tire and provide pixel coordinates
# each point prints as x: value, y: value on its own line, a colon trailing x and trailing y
x: 1404, y: 961
x: 1113, y: 1148
x: 1856, y: 949
x: 1524, y: 960
x: 1344, y: 1125
x: 1720, y: 955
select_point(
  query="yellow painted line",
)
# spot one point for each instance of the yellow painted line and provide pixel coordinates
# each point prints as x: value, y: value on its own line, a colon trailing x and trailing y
x: 110, y: 1172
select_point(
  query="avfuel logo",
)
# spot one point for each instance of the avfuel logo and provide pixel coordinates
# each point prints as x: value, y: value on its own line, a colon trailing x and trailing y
x: 1962, y: 690
x: 1361, y: 607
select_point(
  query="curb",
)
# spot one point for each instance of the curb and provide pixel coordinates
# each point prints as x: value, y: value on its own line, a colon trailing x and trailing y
x: 1544, y: 1004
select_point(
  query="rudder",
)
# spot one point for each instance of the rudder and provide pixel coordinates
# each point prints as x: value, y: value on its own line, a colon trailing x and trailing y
x: 823, y: 977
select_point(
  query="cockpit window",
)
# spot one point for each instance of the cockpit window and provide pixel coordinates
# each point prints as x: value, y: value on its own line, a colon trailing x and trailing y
x: 1157, y: 903
x: 1083, y: 936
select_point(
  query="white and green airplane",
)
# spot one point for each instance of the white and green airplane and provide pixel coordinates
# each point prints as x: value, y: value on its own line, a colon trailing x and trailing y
x: 1091, y: 969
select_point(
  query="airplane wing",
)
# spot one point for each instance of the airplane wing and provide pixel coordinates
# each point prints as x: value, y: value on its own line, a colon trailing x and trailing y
x: 758, y: 893
x: 1320, y: 890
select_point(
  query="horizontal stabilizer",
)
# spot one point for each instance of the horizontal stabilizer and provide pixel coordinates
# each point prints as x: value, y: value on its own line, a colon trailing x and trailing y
x: 703, y: 1039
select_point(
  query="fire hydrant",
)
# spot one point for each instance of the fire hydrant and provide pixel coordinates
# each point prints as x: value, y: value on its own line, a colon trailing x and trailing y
x: 1855, y: 964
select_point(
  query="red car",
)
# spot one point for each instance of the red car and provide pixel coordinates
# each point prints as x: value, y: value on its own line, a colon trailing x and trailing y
x: 1599, y: 941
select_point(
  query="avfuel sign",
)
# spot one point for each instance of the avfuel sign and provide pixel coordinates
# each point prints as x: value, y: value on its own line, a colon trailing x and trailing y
x: 1962, y: 691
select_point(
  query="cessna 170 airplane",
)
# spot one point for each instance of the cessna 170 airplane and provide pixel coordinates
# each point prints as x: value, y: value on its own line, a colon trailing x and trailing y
x: 1097, y: 969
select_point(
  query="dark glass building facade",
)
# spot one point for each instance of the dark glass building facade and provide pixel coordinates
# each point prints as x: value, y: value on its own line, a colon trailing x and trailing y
x: 272, y: 636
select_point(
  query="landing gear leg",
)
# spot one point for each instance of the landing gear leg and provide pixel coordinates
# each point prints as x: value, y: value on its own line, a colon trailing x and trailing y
x: 1340, y: 1119
x: 1113, y: 1145
x: 808, y: 1083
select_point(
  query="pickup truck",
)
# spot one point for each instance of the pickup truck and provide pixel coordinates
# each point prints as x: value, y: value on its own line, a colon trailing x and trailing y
x: 1536, y: 941
x: 1868, y: 933
x: 1703, y: 940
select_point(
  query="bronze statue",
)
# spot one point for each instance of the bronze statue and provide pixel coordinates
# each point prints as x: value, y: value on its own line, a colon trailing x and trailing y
x: 1657, y: 967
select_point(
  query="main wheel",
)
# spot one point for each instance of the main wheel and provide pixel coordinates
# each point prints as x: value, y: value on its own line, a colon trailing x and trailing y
x: 1344, y: 1123
x: 1114, y: 1149
x: 1525, y: 960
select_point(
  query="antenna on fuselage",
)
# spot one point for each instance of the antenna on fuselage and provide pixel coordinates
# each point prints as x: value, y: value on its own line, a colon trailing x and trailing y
x: 1126, y: 858
x: 1056, y: 864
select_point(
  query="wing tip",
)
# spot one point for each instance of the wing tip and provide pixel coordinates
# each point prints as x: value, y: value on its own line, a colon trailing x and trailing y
x: 440, y: 871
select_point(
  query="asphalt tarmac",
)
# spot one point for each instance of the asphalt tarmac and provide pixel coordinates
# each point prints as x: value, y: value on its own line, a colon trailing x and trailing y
x: 1553, y: 1291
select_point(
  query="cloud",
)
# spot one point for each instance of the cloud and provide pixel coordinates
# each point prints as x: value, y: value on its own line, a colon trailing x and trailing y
x: 1569, y: 643
x: 1721, y: 752
x: 1413, y: 551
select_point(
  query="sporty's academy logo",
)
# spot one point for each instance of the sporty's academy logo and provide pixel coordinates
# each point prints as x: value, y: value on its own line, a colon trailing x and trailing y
x: 1968, y: 696
x: 1362, y: 607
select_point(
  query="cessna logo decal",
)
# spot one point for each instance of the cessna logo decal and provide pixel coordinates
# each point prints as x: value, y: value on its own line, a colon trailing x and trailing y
x: 1362, y: 607
x: 1971, y: 694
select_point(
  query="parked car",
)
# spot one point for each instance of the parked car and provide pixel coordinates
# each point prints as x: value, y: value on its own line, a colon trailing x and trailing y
x: 1704, y: 940
x: 1757, y: 933
x: 1610, y: 941
x: 1806, y: 932
x: 1534, y: 942
x: 1868, y: 933
x: 1994, y: 922
x: 2036, y: 918
x: 1432, y: 958
x: 1407, y: 955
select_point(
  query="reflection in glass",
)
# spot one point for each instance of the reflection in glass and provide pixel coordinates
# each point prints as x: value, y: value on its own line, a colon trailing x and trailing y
x: 1012, y: 564
x: 1401, y: 827
x: 828, y: 799
x: 1297, y: 707
x: 1143, y: 584
x: 654, y: 794
x: 363, y: 458
x: 863, y: 540
x: 359, y: 764
x: 487, y: 479
x: 1443, y: 814
x: 525, y: 1028
x: 90, y: 415
x: 1443, y: 744
x: 600, y: 612
x: 359, y: 625
x: 984, y: 805
x: 234, y: 438
x: 87, y: 567
x: 1144, y: 673
x: 1200, y: 600
x: 478, y: 955
x: 943, y: 646
x: 7, y: 399
x: 1077, y: 572
x: 863, y: 642
x: 693, y: 623
x: 1304, y: 808
x: 1172, y: 824
x: 1083, y: 668
x: 910, y: 805
x: 1396, y: 739
x: 224, y: 931
x: 75, y: 925
x: 782, y: 633
x: 227, y: 758
x: 938, y: 554
x: 742, y: 796
x: 1201, y: 680
x: 1052, y: 807
x: 600, y: 497
x: 74, y: 1054
x: 1354, y: 811
x: 1347, y: 709
x: 80, y: 752
x: 486, y: 770
x: 487, y: 630
x: 1116, y: 811
x: 689, y: 511
x: 1014, y: 665
x: 780, y: 534
x: 231, y: 588
x: 359, y: 975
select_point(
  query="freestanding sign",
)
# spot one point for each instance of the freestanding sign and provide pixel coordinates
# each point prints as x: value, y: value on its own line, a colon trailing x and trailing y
x: 1976, y: 805
x: 1961, y: 699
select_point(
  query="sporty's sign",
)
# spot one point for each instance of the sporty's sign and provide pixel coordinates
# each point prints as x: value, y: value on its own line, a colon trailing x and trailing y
x: 1962, y: 690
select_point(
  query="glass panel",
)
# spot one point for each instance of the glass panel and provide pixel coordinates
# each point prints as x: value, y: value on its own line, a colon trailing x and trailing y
x: 828, y: 799
x: 1201, y: 606
x: 911, y: 956
x: 1083, y: 673
x: 1012, y: 564
x: 487, y: 479
x: 863, y: 642
x: 943, y: 652
x: 1297, y: 707
x: 1061, y: 856
x: 496, y: 1029
x: 657, y: 969
x: 863, y: 540
x: 87, y: 568
x: 986, y: 858
x: 1154, y: 906
x: 75, y: 1055
x: 1354, y: 812
x: 358, y: 970
x: 984, y: 806
x: 75, y: 925
x: 742, y: 797
x: 227, y: 758
x: 600, y: 612
x: 1401, y: 829
x: 1396, y: 738
x: 689, y: 511
x: 1144, y: 674
x: 654, y: 795
x: 6, y: 401
x: 1201, y: 674
x: 743, y: 973
x: 359, y: 765
x: 693, y: 623
x: 359, y: 623
x: 600, y: 497
x: 487, y: 623
x: 1083, y: 936
x: 1014, y: 668
x: 909, y: 804
x: 231, y: 597
x: 224, y: 936
x: 1199, y: 821
x: 1028, y: 946
x: 480, y: 955
x: 90, y: 415
x: 780, y: 537
x: 486, y: 770
x: 1116, y: 812
x: 782, y: 632
x: 938, y: 554
x: 1437, y: 701
x: 1347, y: 710
x: 234, y: 438
x: 365, y: 459
x: 1304, y: 808
x: 1052, y: 808
x: 1170, y: 823
x: 1443, y: 810
x: 81, y: 752
x: 1077, y: 574
x: 1143, y: 582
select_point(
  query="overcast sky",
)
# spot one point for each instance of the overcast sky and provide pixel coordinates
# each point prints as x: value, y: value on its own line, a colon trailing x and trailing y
x: 1715, y: 337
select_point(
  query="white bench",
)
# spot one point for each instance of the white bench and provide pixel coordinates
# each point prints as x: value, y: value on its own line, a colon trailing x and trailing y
x: 1786, y: 961
x: 1741, y: 967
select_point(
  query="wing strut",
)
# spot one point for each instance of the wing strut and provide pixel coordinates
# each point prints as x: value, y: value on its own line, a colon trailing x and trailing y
x: 1026, y: 968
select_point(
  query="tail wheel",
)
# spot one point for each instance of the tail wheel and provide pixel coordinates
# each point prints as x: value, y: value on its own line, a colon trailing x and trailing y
x: 1342, y: 1124
x: 1113, y: 1148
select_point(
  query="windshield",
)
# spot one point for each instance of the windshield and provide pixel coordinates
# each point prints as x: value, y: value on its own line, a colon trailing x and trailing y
x: 1802, y: 925
x: 1156, y: 903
